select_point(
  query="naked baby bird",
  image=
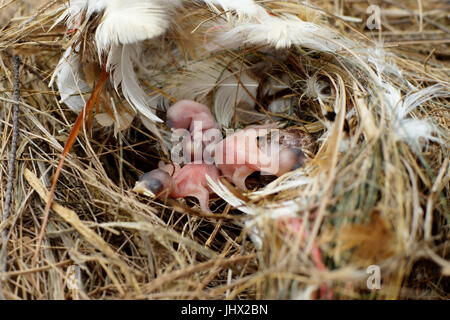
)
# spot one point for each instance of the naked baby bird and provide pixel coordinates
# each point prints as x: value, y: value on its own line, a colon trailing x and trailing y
x: 195, y: 123
x: 171, y: 180
x: 190, y: 120
x: 236, y: 157
x: 252, y: 149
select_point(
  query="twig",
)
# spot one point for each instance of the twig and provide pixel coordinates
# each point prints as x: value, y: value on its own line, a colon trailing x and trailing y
x: 31, y: 69
x: 411, y: 12
x: 11, y: 161
x: 72, y: 136
x: 39, y: 11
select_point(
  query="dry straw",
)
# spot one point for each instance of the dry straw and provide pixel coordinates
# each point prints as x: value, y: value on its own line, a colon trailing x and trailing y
x: 375, y: 191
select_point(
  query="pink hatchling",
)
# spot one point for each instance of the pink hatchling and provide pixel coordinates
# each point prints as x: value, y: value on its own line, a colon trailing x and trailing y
x: 242, y: 153
x: 192, y: 120
x: 171, y: 180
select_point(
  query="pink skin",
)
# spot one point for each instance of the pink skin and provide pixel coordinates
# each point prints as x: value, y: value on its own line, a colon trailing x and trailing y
x: 188, y: 119
x: 176, y: 182
x: 239, y: 155
x: 194, y: 117
x: 191, y: 182
x: 182, y: 115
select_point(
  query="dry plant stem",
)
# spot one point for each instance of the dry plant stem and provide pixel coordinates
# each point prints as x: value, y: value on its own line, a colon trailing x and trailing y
x: 411, y: 12
x: 11, y: 161
x: 359, y: 207
x: 73, y: 135
x: 40, y: 10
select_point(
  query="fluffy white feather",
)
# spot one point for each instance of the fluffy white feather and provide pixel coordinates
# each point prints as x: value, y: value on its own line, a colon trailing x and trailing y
x: 286, y: 209
x: 272, y: 211
x: 198, y: 80
x: 230, y: 93
x: 228, y: 196
x: 120, y: 64
x: 315, y: 88
x: 413, y: 100
x: 242, y: 7
x: 123, y: 26
x: 383, y: 63
x: 295, y: 180
x: 206, y: 77
x: 260, y: 214
x: 411, y: 130
x: 280, y: 33
x: 74, y: 8
x: 70, y: 82
x: 131, y: 21
x: 408, y: 129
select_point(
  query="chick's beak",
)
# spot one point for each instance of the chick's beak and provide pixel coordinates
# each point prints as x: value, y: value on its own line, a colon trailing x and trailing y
x: 154, y: 183
x: 141, y: 188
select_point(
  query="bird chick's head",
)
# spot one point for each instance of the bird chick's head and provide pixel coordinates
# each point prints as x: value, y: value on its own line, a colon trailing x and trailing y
x: 154, y: 184
x: 184, y: 113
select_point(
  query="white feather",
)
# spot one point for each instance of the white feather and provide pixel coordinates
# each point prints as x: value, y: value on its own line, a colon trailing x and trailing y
x: 272, y: 211
x: 70, y: 82
x: 120, y: 64
x: 200, y: 79
x: 408, y: 129
x: 315, y: 88
x: 383, y: 63
x: 280, y: 33
x: 242, y: 7
x: 123, y: 26
x: 96, y: 6
x: 61, y: 61
x: 411, y: 130
x: 412, y: 101
x: 230, y: 93
x: 295, y: 180
x: 74, y: 8
x: 196, y: 82
x: 261, y: 214
x: 223, y: 192
x: 131, y: 21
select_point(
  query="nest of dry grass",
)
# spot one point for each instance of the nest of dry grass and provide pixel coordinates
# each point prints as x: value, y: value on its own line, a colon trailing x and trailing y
x: 380, y: 202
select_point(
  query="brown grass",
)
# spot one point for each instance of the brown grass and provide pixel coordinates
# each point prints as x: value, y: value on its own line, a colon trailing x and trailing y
x: 378, y: 203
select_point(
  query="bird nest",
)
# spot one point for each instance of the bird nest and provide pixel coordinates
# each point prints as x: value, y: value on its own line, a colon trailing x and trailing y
x: 365, y: 217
